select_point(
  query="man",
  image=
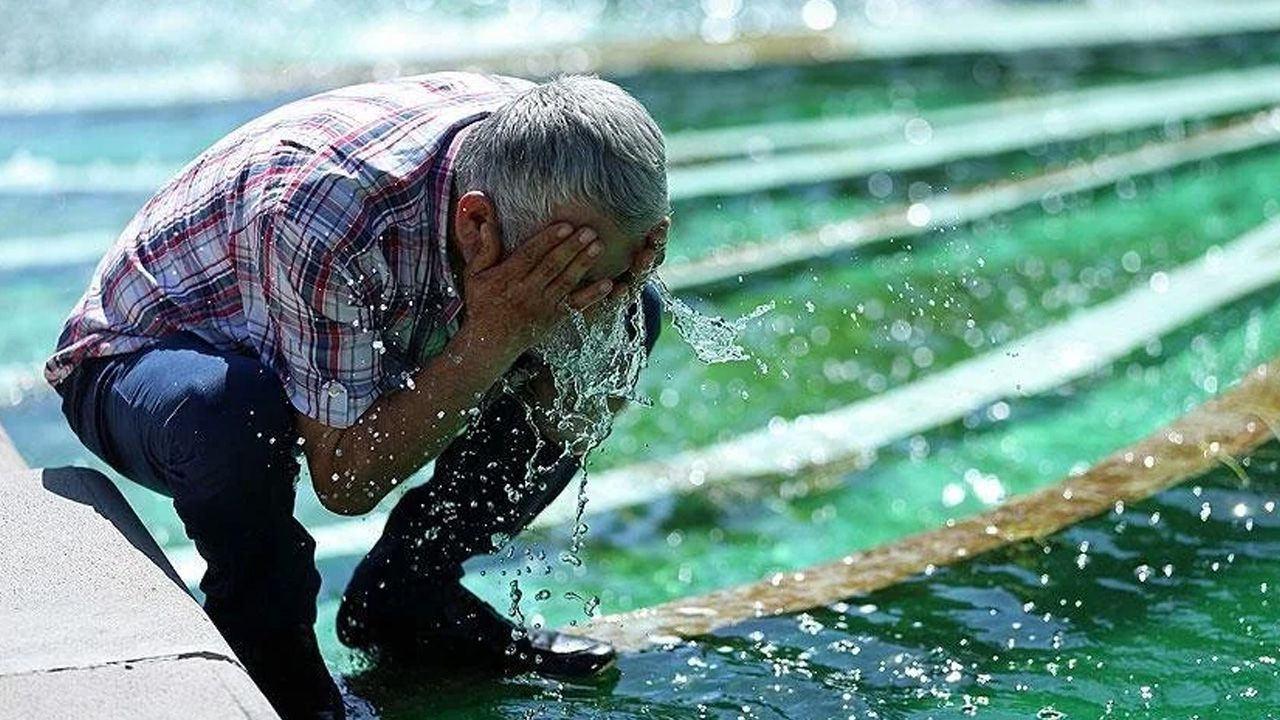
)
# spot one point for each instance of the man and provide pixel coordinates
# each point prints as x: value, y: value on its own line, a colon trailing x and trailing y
x: 361, y: 276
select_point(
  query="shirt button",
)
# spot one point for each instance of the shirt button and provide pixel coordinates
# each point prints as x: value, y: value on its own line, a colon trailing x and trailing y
x: 335, y: 390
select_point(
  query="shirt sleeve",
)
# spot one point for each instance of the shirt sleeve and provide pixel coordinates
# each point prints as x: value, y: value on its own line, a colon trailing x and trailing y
x: 327, y: 277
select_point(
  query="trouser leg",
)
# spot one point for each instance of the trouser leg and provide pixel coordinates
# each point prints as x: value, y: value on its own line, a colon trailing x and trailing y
x: 214, y: 432
x: 480, y: 493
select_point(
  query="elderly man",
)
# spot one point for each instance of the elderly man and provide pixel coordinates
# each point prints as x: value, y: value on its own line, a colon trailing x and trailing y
x: 358, y: 277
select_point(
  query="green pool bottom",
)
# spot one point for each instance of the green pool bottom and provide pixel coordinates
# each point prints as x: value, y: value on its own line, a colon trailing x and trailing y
x: 855, y: 326
x: 1165, y: 615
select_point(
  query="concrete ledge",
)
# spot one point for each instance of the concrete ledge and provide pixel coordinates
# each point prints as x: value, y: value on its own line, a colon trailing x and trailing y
x: 94, y: 620
x: 10, y: 460
x: 189, y: 687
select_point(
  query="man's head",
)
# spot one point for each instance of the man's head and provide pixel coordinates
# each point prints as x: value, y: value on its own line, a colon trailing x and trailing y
x: 582, y: 151
x: 577, y: 149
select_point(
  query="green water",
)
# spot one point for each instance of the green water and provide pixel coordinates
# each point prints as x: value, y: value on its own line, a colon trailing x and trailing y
x: 849, y: 329
x: 1199, y: 639
x: 697, y: 543
x: 706, y: 225
x: 768, y: 94
x: 857, y: 325
x: 844, y: 330
x: 700, y: 227
x: 691, y: 100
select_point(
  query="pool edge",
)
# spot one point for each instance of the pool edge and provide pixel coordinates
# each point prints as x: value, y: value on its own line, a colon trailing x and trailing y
x: 95, y: 616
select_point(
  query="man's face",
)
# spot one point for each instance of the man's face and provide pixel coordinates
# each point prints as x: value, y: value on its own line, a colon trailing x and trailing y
x: 594, y: 359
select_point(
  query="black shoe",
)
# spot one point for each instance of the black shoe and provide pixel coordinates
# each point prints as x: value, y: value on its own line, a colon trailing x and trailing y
x: 288, y: 668
x: 454, y: 627
x: 571, y: 656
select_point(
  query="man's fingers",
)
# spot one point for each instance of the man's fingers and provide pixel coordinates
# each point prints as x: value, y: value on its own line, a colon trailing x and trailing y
x: 575, y: 269
x: 590, y: 295
x: 531, y: 252
x: 621, y: 290
x: 581, y: 249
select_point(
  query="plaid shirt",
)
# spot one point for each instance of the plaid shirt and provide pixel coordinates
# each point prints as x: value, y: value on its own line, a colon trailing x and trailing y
x: 313, y: 238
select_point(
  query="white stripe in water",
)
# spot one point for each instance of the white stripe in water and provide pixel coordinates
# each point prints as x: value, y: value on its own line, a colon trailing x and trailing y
x: 861, y: 146
x: 18, y: 254
x: 849, y: 437
x: 961, y: 207
x: 341, y: 539
x: 1131, y: 108
x: 766, y: 139
x: 87, y: 92
x: 1011, y: 28
x: 944, y: 211
x: 1207, y: 437
x: 17, y: 380
x: 349, y: 537
x: 27, y: 174
x: 1001, y: 29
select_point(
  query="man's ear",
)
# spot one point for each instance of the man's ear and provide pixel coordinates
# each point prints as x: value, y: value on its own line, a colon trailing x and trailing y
x: 474, y: 211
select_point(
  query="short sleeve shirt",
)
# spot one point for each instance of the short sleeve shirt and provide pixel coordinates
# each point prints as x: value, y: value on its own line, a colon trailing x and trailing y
x: 314, y: 238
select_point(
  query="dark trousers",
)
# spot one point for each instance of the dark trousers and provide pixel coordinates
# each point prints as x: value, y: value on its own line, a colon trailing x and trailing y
x: 214, y: 431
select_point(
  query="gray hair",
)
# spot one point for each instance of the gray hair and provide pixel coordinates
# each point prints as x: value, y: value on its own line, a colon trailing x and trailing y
x: 576, y: 139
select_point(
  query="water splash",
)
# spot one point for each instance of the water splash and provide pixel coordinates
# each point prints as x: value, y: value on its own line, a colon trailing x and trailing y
x: 712, y: 338
x: 595, y: 360
x: 516, y: 596
x: 589, y: 604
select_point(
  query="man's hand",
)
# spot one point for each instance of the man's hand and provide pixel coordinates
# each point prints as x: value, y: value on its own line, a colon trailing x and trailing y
x: 511, y: 303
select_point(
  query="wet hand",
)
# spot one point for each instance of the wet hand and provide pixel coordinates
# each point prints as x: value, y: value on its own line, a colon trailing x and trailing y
x: 515, y: 301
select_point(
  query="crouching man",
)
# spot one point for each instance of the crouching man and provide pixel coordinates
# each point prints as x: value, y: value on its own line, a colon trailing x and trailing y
x: 356, y: 279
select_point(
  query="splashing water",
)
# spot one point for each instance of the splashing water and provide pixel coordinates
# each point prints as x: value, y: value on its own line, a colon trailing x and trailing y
x: 516, y: 596
x: 712, y: 339
x: 589, y: 604
x: 595, y: 362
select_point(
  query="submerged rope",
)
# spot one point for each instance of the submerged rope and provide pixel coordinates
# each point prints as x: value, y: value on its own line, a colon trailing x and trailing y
x: 1222, y: 429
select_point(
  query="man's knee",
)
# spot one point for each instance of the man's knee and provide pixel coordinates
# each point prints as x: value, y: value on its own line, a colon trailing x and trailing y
x: 233, y: 426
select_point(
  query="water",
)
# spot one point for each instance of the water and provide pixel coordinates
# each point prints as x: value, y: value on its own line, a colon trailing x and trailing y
x: 595, y: 363
x: 1020, y: 632
x: 861, y: 324
x: 1169, y: 597
x: 697, y: 544
x: 713, y: 339
x: 1193, y: 641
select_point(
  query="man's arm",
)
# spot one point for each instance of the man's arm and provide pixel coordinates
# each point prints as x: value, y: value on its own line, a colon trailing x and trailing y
x: 352, y: 469
x: 510, y: 303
